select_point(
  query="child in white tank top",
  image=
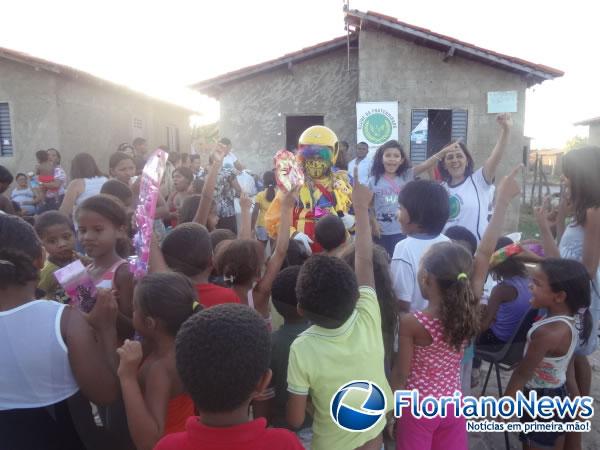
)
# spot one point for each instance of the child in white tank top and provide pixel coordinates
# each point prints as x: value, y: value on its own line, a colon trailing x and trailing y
x: 562, y: 287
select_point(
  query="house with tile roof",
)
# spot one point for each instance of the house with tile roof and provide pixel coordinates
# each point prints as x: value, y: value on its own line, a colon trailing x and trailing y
x: 594, y: 129
x: 48, y: 105
x: 448, y: 82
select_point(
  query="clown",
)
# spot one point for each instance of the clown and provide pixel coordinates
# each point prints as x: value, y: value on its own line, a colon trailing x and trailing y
x: 323, y: 192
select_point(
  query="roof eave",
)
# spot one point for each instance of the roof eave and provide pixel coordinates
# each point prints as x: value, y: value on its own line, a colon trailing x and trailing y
x: 214, y: 85
x: 75, y: 74
x: 497, y: 60
x: 592, y: 121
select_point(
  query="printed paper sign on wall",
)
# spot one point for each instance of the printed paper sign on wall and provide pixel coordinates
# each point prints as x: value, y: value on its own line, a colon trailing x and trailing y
x: 419, y: 134
x: 502, y: 102
x: 377, y: 122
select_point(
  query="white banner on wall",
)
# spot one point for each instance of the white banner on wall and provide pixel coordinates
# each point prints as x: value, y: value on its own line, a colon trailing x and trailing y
x: 376, y: 122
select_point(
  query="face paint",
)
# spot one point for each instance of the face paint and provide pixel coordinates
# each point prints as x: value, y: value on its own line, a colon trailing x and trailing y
x: 316, y: 168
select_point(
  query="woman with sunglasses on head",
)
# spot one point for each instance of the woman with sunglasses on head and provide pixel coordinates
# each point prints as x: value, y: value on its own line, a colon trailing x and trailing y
x: 470, y: 190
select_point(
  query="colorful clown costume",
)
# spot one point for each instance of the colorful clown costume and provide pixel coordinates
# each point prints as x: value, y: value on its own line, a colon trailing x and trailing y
x: 324, y: 192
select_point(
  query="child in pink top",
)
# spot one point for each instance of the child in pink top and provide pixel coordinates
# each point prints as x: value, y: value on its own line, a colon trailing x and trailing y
x: 431, y: 342
x: 431, y: 345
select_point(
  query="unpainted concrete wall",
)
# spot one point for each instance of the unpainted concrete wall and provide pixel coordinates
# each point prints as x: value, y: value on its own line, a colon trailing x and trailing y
x: 78, y: 115
x: 417, y: 77
x: 253, y: 111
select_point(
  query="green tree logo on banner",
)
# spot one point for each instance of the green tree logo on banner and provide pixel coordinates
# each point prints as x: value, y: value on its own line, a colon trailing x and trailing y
x: 377, y: 129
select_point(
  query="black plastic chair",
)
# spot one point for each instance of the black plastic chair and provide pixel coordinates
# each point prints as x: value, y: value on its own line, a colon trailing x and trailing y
x: 508, y: 356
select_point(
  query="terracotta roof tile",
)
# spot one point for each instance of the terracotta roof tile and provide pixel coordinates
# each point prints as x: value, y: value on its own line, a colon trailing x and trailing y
x: 541, y: 71
x: 541, y: 67
x: 266, y: 65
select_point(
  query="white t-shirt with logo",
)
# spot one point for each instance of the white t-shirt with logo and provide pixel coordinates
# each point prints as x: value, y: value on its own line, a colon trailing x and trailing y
x: 469, y: 203
x: 405, y: 266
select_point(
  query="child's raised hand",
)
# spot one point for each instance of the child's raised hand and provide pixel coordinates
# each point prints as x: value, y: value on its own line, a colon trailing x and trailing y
x: 219, y: 153
x: 245, y: 201
x: 130, y: 354
x: 504, y: 120
x: 450, y: 147
x: 509, y: 187
x: 540, y: 217
x: 361, y: 195
x: 104, y: 314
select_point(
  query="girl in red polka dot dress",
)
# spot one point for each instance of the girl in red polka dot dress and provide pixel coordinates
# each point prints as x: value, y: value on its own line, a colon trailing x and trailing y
x: 431, y: 342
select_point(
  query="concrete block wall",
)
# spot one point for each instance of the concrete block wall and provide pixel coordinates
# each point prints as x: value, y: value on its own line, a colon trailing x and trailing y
x: 417, y: 77
x: 97, y: 119
x: 594, y: 136
x: 31, y: 96
x: 78, y: 115
x: 253, y: 111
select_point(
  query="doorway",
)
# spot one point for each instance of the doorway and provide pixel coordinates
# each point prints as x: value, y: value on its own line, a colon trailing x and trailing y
x: 432, y: 129
x: 439, y: 132
x: 295, y: 126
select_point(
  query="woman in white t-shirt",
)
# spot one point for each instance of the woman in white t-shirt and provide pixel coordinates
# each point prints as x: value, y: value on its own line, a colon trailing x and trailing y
x: 470, y: 190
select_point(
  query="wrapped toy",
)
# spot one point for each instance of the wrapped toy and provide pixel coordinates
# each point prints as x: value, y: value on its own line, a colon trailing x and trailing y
x: 524, y: 251
x: 537, y: 249
x: 502, y: 254
x: 145, y: 211
x: 323, y: 191
x: 78, y: 285
x: 288, y: 172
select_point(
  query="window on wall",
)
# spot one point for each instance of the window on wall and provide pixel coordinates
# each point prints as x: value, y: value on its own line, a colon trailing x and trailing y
x: 137, y: 128
x: 6, y: 143
x: 173, y: 138
x: 432, y: 129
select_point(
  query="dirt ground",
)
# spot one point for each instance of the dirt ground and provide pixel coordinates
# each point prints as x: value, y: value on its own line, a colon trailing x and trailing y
x: 495, y: 441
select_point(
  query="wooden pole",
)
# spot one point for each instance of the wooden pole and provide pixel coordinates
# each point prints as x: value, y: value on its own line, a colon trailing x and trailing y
x: 524, y: 174
x: 541, y: 170
x: 535, y: 168
x: 545, y: 182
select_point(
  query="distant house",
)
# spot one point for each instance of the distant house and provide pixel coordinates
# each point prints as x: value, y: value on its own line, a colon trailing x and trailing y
x: 44, y: 104
x: 551, y: 160
x: 594, y: 130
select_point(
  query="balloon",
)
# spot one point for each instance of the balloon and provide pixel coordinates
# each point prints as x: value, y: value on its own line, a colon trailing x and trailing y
x: 145, y: 212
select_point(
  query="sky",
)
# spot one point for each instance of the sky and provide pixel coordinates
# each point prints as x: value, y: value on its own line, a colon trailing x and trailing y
x: 160, y: 48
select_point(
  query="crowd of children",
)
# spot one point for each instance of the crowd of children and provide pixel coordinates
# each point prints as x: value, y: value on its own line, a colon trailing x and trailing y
x: 191, y: 356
